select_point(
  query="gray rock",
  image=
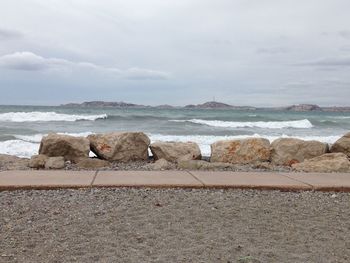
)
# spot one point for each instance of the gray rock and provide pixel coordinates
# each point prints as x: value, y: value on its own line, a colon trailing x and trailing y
x: 69, y: 147
x: 120, y: 146
x: 176, y: 151
x: 287, y: 151
x: 10, y: 162
x: 326, y: 163
x: 55, y: 162
x: 38, y: 161
x: 246, y: 151
x: 342, y: 145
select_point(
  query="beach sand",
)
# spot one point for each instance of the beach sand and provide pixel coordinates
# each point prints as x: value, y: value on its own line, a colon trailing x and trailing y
x: 174, y: 225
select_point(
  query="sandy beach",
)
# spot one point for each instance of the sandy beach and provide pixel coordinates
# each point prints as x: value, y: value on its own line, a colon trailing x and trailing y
x: 174, y: 225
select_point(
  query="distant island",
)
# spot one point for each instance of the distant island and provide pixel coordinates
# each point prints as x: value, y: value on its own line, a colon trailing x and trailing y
x: 208, y: 105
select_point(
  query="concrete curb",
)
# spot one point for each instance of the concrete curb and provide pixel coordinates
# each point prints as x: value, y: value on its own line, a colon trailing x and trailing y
x: 58, y: 179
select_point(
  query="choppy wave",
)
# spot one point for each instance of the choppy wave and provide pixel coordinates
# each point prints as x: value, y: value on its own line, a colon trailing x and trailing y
x: 297, y: 124
x: 46, y: 116
x: 26, y: 146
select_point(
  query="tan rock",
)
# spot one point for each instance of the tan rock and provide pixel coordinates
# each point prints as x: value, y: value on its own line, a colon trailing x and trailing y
x: 241, y: 151
x: 92, y: 163
x: 120, y: 146
x: 10, y: 162
x: 38, y: 161
x: 55, y: 162
x: 202, y: 165
x: 288, y: 151
x: 69, y: 147
x: 175, y: 151
x: 342, y: 145
x: 160, y: 164
x: 326, y: 163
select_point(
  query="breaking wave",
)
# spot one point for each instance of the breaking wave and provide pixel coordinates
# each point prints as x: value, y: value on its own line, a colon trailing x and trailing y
x: 37, y: 116
x: 297, y: 124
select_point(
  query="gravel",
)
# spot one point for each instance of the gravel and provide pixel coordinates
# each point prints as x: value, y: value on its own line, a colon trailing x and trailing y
x: 174, y: 225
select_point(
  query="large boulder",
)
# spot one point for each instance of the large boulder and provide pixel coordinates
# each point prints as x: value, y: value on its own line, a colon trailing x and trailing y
x: 120, y: 146
x: 326, y: 163
x: 342, y: 145
x: 70, y: 147
x: 10, y: 162
x: 175, y: 151
x: 245, y: 151
x: 287, y: 151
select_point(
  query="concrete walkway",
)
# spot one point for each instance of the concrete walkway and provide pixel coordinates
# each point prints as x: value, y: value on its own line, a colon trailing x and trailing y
x: 41, y: 179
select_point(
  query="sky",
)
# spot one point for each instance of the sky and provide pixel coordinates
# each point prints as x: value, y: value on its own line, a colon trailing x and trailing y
x: 241, y: 52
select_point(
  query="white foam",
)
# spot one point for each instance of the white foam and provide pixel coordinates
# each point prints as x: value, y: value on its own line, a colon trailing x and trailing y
x: 46, y: 116
x: 19, y: 148
x: 297, y: 124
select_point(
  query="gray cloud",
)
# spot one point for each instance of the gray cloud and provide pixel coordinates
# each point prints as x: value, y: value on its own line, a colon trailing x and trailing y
x: 344, y: 34
x: 272, y: 50
x: 6, y: 34
x: 241, y: 52
x: 328, y: 62
x: 29, y: 61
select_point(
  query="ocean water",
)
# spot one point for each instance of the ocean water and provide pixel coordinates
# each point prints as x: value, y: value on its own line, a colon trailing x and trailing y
x: 22, y: 127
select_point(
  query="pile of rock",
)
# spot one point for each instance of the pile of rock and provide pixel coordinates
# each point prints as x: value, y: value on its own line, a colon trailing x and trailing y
x: 55, y: 150
x: 123, y: 147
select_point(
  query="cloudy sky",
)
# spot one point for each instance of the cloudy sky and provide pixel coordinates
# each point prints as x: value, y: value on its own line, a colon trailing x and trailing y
x: 243, y: 52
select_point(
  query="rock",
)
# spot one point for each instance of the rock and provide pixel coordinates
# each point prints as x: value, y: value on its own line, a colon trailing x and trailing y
x: 70, y: 147
x: 241, y: 151
x: 55, y: 162
x: 326, y: 163
x: 288, y: 151
x: 38, y: 161
x: 160, y: 164
x: 92, y: 163
x: 10, y: 162
x: 342, y: 145
x: 120, y: 146
x: 202, y: 165
x: 175, y: 151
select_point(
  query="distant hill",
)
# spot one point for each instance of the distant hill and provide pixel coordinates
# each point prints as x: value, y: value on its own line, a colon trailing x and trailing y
x: 217, y: 105
x: 105, y: 104
x: 304, y: 107
x: 208, y: 105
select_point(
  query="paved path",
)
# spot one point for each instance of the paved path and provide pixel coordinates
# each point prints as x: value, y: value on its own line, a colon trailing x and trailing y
x: 32, y: 179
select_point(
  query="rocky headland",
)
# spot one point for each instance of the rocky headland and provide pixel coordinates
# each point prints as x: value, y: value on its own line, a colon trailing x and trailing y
x: 131, y: 151
x: 208, y: 105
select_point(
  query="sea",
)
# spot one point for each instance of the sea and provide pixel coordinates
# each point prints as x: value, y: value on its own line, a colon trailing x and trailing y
x: 22, y: 127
